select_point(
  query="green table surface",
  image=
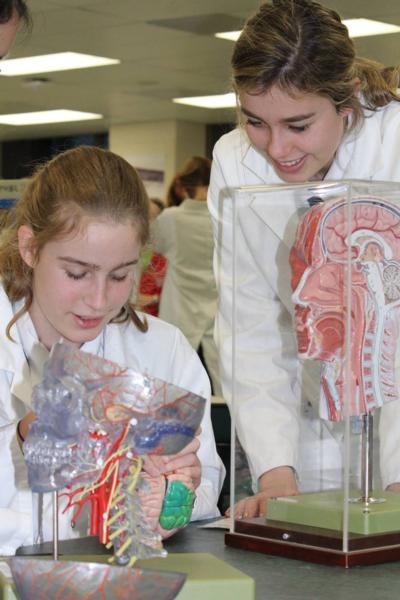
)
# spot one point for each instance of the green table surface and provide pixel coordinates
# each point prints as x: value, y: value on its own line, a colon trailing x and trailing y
x: 284, y: 579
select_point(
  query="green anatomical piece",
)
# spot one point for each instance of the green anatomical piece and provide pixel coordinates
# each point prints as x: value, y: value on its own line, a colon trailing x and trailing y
x: 177, y: 505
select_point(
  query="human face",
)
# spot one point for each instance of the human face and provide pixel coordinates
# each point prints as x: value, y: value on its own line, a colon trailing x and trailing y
x: 299, y: 135
x: 81, y: 282
x: 7, y: 34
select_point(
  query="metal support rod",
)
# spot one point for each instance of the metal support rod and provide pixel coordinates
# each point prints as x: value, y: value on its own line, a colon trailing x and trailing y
x: 366, y: 457
x: 55, y: 525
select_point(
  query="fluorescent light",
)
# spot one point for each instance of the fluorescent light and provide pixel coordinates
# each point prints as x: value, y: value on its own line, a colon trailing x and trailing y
x: 46, y: 63
x: 366, y: 27
x: 232, y: 36
x: 47, y: 116
x: 356, y: 27
x: 216, y: 101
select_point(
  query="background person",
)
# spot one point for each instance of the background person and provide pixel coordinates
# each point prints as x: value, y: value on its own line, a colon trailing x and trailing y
x: 310, y: 109
x: 184, y: 235
x: 176, y: 192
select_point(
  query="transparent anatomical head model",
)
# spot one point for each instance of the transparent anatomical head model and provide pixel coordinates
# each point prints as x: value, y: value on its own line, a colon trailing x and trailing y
x: 95, y: 422
x: 370, y: 231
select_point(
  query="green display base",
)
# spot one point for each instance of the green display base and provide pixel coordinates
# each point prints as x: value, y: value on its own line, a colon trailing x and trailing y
x: 325, y: 509
x: 208, y: 576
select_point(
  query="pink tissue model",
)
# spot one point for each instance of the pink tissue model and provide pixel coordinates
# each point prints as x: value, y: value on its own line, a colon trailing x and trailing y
x: 318, y: 261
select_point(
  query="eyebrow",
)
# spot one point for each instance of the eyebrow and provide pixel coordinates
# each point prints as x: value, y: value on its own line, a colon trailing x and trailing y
x: 87, y: 265
x: 294, y: 119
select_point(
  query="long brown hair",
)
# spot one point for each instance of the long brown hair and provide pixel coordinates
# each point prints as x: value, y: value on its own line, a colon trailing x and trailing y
x: 303, y: 46
x: 84, y: 181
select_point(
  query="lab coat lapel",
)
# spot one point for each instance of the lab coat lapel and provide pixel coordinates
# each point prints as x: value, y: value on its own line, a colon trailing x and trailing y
x: 268, y: 227
x: 21, y: 387
x: 13, y: 362
x: 12, y: 357
x: 281, y: 219
x: 256, y: 165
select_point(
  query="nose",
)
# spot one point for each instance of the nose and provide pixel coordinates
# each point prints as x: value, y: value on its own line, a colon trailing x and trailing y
x: 96, y: 295
x: 278, y: 144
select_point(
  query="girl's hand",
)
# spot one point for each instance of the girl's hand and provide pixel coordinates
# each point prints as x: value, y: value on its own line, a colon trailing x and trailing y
x: 157, y: 470
x: 185, y: 464
x: 153, y: 465
x: 277, y: 482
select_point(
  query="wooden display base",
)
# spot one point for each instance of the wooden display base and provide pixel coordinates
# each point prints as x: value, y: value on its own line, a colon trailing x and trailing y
x: 313, y: 544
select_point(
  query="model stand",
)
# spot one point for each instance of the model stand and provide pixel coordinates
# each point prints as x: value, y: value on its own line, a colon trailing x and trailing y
x: 336, y: 247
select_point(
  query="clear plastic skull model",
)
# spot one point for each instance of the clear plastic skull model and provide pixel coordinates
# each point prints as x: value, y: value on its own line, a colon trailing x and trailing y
x: 320, y: 279
x: 95, y: 419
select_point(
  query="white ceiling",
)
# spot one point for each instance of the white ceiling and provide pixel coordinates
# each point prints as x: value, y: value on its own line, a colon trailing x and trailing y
x: 175, y: 56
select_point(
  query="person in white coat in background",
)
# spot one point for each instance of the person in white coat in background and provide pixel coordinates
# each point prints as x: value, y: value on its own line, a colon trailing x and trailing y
x: 67, y: 263
x: 183, y: 234
x: 310, y: 109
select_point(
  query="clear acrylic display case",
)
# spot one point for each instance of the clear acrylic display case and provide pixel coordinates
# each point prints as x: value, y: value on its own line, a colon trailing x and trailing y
x: 315, y: 357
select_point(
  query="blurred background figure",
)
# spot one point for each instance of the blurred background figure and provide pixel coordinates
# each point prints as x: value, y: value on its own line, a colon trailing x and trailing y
x: 153, y: 268
x: 176, y: 192
x: 183, y: 234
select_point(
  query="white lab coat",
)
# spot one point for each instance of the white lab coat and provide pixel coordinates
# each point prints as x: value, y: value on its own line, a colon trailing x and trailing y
x: 272, y: 412
x: 189, y: 295
x: 162, y: 352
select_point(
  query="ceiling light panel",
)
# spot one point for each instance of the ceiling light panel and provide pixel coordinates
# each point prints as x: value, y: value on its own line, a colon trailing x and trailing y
x: 367, y: 27
x: 356, y: 27
x: 47, y: 116
x: 216, y: 101
x: 47, y: 63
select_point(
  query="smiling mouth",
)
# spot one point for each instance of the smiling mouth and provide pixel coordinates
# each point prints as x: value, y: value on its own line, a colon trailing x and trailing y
x: 289, y: 163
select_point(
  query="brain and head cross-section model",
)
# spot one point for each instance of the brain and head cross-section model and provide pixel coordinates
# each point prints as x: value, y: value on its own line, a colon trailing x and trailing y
x: 369, y: 232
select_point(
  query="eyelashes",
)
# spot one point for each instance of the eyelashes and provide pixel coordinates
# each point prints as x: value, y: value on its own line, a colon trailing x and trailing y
x: 295, y: 128
x: 80, y: 276
x: 298, y: 128
x: 254, y: 123
x: 75, y: 276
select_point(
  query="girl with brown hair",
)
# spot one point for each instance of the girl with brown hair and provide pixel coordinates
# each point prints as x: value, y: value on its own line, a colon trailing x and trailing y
x: 67, y: 267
